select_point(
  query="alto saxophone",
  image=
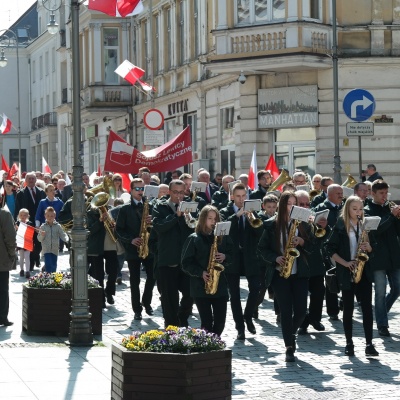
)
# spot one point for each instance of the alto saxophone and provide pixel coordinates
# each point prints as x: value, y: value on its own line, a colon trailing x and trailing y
x: 144, y: 232
x: 361, y: 257
x: 214, y: 270
x: 291, y: 253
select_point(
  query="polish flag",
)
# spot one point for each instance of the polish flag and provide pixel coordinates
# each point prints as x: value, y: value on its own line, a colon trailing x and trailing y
x: 4, y: 165
x: 272, y: 167
x: 253, y: 180
x: 13, y: 170
x: 5, y: 125
x: 46, y: 168
x: 132, y: 74
x: 117, y: 8
x: 25, y: 236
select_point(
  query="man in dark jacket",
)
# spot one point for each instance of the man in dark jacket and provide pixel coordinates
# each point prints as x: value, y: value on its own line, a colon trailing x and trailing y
x: 372, y: 173
x: 172, y: 230
x: 128, y: 231
x: 221, y: 198
x: 8, y: 262
x: 385, y: 264
x: 325, y: 182
x: 245, y: 238
x: 204, y: 176
x: 264, y: 182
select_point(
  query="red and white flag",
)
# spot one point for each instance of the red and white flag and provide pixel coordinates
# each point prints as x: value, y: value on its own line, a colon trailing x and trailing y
x: 132, y: 74
x: 5, y: 125
x: 4, y: 165
x: 117, y: 8
x: 25, y: 236
x: 46, y: 168
x: 253, y: 180
x: 13, y: 170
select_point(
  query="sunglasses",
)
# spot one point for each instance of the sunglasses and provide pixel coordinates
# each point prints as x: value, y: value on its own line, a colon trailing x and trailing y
x: 138, y: 189
x: 118, y: 179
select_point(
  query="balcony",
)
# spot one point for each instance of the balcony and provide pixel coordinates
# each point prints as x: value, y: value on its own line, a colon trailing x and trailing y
x: 106, y: 96
x: 49, y: 119
x: 253, y: 44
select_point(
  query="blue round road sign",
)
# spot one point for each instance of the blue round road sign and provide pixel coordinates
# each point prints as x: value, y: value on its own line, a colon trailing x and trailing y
x: 359, y: 105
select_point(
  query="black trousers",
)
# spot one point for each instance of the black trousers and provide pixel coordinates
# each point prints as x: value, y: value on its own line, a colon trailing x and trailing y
x: 172, y: 281
x: 4, y: 295
x: 363, y: 290
x: 111, y: 268
x: 34, y: 257
x: 291, y: 295
x: 263, y: 288
x: 332, y: 302
x: 316, y: 288
x: 134, y: 279
x: 212, y: 313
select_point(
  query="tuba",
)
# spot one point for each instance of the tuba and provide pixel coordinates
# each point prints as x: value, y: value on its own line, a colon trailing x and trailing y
x: 99, y: 202
x: 280, y: 180
x: 214, y: 270
x: 291, y: 253
x: 144, y: 232
x: 350, y: 182
x: 361, y: 257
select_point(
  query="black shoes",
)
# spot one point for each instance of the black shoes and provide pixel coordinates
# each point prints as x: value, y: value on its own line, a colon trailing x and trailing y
x: 349, y: 350
x: 294, y: 343
x: 149, y: 310
x: 371, y: 351
x: 110, y: 298
x: 250, y: 326
x: 290, y: 355
x: 334, y: 317
x: 317, y: 326
x: 21, y: 273
x: 6, y: 323
x: 241, y: 335
x: 137, y: 317
x: 119, y: 281
x: 384, y: 331
x: 302, y: 331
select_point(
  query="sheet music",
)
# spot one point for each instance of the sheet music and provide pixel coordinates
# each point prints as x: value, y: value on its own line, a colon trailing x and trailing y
x: 252, y: 205
x: 198, y: 187
x: 188, y: 206
x: 371, y: 223
x: 222, y: 228
x: 347, y: 192
x: 300, y: 213
x: 232, y: 184
x: 307, y: 188
x: 151, y: 191
x: 321, y: 214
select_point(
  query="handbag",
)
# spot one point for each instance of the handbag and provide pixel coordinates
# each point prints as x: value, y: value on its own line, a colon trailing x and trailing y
x: 331, y: 281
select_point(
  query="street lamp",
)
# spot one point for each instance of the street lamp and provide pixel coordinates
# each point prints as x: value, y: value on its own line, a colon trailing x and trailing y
x: 3, y: 63
x: 80, y: 330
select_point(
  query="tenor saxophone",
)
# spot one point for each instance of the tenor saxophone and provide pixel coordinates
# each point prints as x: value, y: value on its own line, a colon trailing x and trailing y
x: 361, y: 258
x: 214, y: 270
x: 144, y: 232
x: 291, y: 253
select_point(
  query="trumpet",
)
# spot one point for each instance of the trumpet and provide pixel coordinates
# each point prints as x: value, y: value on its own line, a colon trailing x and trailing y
x: 253, y: 221
x: 191, y: 222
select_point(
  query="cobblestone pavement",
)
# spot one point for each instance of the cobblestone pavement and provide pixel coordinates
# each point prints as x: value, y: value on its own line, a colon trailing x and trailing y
x: 259, y: 370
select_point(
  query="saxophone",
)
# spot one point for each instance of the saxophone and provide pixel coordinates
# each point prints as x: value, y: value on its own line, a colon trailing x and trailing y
x: 361, y: 257
x: 214, y: 269
x: 291, y: 253
x: 144, y: 232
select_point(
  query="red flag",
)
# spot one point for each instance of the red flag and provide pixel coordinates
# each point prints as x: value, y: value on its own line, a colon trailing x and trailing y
x: 122, y: 157
x: 46, y: 168
x: 5, y: 125
x: 272, y: 167
x: 14, y: 169
x: 117, y: 8
x: 4, y: 165
x: 126, y: 181
x: 25, y: 236
x: 253, y: 181
x: 132, y: 74
x: 98, y: 170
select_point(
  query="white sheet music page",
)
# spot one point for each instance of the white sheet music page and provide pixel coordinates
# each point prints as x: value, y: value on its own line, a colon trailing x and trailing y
x: 151, y: 191
x: 320, y: 215
x: 252, y: 205
x: 222, y: 228
x: 371, y: 223
x: 300, y: 213
x: 188, y: 206
x: 198, y: 187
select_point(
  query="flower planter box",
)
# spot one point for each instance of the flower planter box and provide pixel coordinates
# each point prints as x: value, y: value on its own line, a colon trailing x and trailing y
x: 47, y: 310
x: 164, y: 376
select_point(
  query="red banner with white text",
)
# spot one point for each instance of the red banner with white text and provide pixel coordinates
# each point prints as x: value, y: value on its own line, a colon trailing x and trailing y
x: 122, y: 157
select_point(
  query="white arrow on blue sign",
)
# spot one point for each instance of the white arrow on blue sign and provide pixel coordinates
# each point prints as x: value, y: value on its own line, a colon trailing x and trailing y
x: 359, y: 105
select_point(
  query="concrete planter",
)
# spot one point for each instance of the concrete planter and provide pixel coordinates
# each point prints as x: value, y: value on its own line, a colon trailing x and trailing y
x: 164, y: 376
x: 47, y: 310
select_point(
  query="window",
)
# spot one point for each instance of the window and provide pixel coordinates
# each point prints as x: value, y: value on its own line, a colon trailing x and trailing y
x: 156, y: 58
x: 169, y: 127
x: 110, y: 40
x: 196, y: 33
x: 169, y: 38
x: 34, y: 71
x: 260, y: 11
x: 146, y: 49
x: 53, y: 59
x: 41, y: 67
x: 46, y: 63
x: 227, y: 131
x: 192, y: 122
x: 181, y: 28
x: 93, y: 154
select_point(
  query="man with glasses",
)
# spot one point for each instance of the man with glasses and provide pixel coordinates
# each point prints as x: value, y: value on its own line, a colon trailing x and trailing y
x: 325, y: 182
x: 170, y: 226
x: 361, y: 190
x: 128, y: 232
x: 264, y: 182
x: 299, y: 178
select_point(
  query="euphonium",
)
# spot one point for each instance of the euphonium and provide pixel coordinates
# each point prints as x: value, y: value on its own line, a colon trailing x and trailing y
x: 350, y: 182
x: 99, y: 201
x: 280, y: 180
x: 291, y: 253
x: 214, y: 270
x: 144, y: 232
x: 361, y: 257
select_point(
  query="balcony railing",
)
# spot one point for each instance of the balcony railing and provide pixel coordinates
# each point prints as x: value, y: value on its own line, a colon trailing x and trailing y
x: 49, y: 119
x: 106, y: 96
